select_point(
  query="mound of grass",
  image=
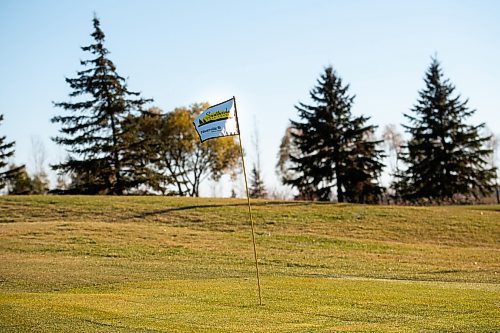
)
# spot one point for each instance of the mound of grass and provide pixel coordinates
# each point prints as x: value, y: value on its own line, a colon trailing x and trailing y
x: 143, y: 264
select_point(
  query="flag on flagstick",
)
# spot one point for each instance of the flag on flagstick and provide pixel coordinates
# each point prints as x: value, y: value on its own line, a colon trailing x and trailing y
x: 222, y: 120
x: 217, y: 121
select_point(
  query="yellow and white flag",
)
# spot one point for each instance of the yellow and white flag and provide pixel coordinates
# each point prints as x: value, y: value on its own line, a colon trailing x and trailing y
x: 217, y: 121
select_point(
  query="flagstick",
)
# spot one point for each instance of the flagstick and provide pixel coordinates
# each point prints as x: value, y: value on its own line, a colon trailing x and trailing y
x: 248, y: 200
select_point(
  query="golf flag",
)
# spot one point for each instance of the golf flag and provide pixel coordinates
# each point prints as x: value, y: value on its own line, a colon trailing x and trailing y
x: 222, y: 120
x: 218, y: 120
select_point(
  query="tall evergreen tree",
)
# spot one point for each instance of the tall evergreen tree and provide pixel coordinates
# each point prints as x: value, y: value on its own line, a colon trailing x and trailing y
x: 93, y: 131
x: 446, y: 158
x: 6, y: 151
x: 331, y: 147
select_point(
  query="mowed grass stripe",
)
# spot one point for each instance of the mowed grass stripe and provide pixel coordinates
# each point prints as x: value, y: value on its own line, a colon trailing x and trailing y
x: 290, y: 305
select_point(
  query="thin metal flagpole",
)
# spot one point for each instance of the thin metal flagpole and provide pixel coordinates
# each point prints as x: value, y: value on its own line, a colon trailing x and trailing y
x: 248, y: 200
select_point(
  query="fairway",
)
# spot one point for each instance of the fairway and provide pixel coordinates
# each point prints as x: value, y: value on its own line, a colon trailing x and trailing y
x: 166, y: 264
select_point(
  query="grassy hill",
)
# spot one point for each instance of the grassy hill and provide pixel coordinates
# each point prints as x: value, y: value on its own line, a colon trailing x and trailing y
x: 154, y: 264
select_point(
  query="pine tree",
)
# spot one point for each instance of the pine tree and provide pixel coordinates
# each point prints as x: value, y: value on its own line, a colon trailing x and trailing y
x: 257, y: 188
x: 143, y: 138
x: 93, y: 131
x: 6, y: 151
x: 446, y: 158
x: 331, y: 147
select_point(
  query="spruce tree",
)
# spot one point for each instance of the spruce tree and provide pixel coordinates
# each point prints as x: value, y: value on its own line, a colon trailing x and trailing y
x: 93, y: 130
x: 6, y: 151
x: 332, y: 148
x: 143, y: 137
x: 446, y: 158
x: 257, y: 188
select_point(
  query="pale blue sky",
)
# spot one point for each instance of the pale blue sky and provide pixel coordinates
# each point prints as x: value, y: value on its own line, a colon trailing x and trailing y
x: 266, y: 53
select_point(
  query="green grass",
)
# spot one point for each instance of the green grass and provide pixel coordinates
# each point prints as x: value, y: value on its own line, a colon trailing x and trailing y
x: 153, y: 264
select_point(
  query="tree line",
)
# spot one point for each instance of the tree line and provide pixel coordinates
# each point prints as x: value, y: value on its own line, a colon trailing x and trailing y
x: 118, y: 146
x: 332, y: 154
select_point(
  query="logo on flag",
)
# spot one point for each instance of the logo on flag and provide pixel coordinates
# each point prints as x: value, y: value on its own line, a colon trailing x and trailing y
x: 217, y: 121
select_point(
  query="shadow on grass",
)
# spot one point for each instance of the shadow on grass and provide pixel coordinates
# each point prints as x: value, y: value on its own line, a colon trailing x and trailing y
x: 255, y: 204
x: 489, y: 208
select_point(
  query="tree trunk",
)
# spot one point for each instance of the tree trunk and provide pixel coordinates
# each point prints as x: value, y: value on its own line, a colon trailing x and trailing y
x: 340, y: 193
x: 118, y: 186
